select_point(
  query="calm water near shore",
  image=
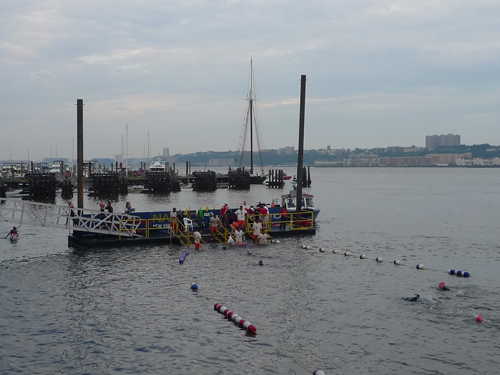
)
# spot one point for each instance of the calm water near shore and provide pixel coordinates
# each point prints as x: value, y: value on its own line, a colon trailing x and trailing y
x: 131, y: 310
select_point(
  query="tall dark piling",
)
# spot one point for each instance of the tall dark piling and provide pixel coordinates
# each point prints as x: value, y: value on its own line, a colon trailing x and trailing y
x: 300, y: 162
x: 3, y: 193
x: 67, y: 188
x: 239, y: 179
x: 79, y: 149
x: 204, y: 181
x: 276, y: 179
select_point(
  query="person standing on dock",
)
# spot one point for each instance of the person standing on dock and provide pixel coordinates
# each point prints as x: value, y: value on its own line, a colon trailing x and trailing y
x: 173, y: 220
x: 223, y: 214
x: 240, y: 218
x: 283, y: 220
x: 214, y: 227
x: 246, y: 207
x: 264, y: 212
x: 109, y: 208
x: 71, y: 213
x: 257, y: 227
x: 103, y: 212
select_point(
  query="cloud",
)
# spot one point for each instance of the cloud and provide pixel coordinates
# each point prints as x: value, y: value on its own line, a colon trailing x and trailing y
x: 170, y: 66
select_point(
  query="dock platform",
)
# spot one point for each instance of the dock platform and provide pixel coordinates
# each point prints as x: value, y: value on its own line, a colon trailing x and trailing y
x: 161, y: 237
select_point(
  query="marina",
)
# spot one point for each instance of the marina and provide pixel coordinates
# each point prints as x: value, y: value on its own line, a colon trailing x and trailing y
x: 95, y: 228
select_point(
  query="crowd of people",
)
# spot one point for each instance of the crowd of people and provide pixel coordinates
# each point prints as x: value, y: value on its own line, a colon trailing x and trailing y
x: 236, y: 223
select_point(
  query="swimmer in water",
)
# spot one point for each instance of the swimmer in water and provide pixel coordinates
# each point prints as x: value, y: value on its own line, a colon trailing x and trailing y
x: 443, y: 287
x: 412, y: 299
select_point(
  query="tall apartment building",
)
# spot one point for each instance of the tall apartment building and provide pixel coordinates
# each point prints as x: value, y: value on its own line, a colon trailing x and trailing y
x: 433, y: 141
x: 166, y: 152
x: 286, y: 151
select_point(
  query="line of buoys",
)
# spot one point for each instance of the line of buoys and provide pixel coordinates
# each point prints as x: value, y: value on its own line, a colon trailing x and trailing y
x: 183, y: 257
x: 194, y: 287
x: 235, y: 318
x: 459, y: 273
x: 395, y: 262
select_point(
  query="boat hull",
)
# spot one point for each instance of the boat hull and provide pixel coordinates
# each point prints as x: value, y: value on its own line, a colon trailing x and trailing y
x: 161, y: 219
x: 257, y: 180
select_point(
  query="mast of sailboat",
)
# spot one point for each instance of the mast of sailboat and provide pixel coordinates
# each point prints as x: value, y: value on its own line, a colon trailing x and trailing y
x: 251, y: 116
x: 126, y: 160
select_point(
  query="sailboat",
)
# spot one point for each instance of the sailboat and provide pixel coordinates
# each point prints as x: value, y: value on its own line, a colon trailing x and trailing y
x: 249, y: 125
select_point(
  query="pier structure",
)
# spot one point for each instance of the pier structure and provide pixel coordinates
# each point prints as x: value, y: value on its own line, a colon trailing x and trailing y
x: 67, y: 189
x: 41, y: 185
x: 204, y: 181
x: 3, y: 191
x: 306, y: 177
x: 239, y: 179
x: 110, y: 183
x: 276, y: 179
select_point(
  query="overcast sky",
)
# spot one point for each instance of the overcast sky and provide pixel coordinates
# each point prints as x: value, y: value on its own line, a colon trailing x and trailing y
x: 379, y: 73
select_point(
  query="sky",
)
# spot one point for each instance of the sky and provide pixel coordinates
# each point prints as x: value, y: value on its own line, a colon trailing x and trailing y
x: 379, y: 73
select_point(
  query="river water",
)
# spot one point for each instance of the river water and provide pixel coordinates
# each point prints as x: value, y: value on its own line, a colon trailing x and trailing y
x: 131, y: 310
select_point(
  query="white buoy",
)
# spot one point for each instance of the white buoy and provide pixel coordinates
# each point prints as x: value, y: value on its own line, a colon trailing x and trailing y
x: 420, y: 267
x: 336, y: 251
x: 321, y: 250
x: 347, y: 253
x: 318, y: 372
x: 363, y: 256
x: 397, y: 262
x: 277, y: 241
x: 308, y: 247
x: 303, y: 246
x: 379, y: 259
x: 237, y: 319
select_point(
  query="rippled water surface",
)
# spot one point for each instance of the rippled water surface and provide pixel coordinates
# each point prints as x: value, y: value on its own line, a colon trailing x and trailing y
x: 131, y: 310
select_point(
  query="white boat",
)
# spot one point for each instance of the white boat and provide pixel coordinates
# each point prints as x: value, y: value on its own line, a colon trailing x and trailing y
x: 156, y: 167
x: 14, y: 170
x: 13, y: 193
x: 58, y: 167
x: 289, y: 201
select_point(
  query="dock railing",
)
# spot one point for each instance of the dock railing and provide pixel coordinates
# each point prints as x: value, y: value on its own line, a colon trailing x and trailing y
x: 293, y: 220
